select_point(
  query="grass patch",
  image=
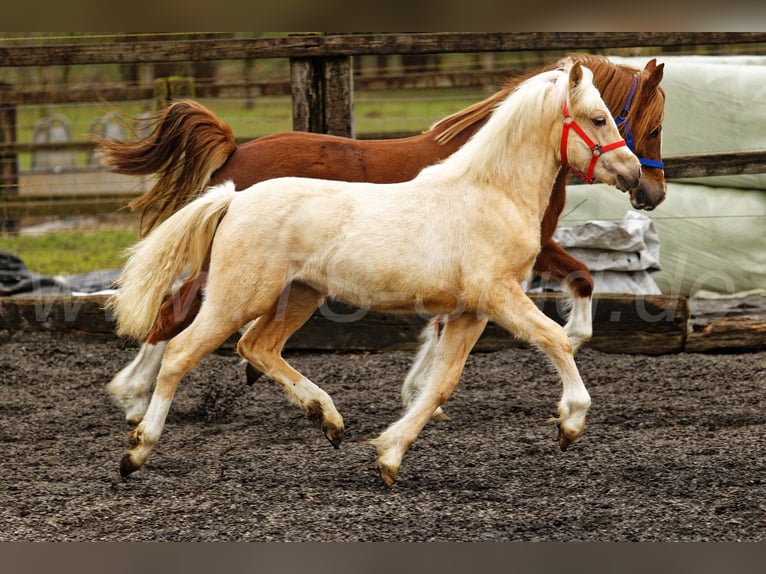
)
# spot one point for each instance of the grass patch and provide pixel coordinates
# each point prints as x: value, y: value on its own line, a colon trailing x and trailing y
x: 71, y: 252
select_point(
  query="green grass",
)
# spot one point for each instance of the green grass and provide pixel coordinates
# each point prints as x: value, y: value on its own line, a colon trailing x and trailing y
x: 68, y: 253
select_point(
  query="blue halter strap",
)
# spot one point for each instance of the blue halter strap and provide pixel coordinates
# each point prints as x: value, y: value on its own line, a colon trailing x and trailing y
x: 628, y: 131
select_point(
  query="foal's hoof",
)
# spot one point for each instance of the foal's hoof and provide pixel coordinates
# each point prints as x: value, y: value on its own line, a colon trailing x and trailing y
x: 252, y: 374
x: 564, y: 442
x: 333, y: 434
x: 564, y: 439
x: 388, y: 474
x: 127, y: 466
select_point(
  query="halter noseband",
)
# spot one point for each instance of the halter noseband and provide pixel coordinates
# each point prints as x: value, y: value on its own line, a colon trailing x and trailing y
x: 596, y: 150
x: 628, y: 131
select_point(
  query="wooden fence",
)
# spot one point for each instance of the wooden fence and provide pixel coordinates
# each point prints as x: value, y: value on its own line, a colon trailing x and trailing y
x: 321, y: 85
x: 632, y: 324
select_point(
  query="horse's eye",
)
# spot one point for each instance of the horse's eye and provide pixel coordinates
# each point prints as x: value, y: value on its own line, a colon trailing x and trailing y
x: 599, y: 122
x: 655, y: 132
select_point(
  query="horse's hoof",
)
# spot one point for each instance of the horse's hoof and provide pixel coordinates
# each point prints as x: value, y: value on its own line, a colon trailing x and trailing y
x: 439, y: 415
x: 127, y: 466
x: 333, y: 434
x: 252, y: 374
x: 564, y: 440
x: 388, y: 474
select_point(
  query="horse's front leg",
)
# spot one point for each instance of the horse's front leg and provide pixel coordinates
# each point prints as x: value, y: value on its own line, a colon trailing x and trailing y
x: 510, y: 308
x: 554, y: 263
x: 448, y: 357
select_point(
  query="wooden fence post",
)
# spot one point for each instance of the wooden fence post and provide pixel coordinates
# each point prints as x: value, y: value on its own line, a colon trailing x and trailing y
x: 323, y: 91
x: 170, y: 88
x: 9, y: 164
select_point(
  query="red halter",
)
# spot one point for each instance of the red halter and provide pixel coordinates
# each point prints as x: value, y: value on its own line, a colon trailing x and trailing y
x: 595, y: 149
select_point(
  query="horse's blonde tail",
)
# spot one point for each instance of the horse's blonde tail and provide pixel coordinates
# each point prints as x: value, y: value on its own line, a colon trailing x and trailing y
x: 187, y: 144
x: 181, y: 243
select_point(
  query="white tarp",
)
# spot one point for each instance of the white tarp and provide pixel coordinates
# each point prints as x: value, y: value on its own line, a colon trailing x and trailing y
x: 712, y: 238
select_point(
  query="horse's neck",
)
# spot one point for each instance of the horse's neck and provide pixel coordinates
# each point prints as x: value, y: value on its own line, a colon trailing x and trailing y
x: 522, y: 171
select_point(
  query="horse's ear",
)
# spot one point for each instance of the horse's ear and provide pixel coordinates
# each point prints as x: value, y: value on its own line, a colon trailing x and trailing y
x: 565, y: 62
x: 654, y: 74
x: 575, y: 75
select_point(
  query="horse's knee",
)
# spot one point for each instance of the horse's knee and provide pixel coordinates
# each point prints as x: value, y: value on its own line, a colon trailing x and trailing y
x: 555, y: 343
x: 580, y: 282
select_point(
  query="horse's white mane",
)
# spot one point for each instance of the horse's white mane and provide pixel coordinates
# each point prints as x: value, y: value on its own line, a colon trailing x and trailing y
x: 521, y: 110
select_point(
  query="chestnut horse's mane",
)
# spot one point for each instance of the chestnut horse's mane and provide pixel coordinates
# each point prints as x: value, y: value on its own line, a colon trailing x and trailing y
x: 613, y: 79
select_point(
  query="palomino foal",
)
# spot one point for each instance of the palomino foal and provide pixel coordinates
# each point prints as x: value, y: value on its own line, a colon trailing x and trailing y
x: 375, y: 246
x: 190, y: 147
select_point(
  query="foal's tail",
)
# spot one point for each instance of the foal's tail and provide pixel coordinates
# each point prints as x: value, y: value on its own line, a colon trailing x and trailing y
x: 181, y: 243
x: 187, y: 144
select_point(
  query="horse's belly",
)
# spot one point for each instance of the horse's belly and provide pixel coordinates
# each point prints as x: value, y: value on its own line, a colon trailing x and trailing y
x: 381, y: 290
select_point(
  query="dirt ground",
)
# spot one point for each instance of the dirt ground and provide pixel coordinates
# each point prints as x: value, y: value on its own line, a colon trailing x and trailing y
x: 673, y: 451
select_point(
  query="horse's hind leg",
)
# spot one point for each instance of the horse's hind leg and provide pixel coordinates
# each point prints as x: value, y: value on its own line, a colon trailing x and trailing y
x: 131, y: 388
x: 182, y: 354
x: 455, y: 342
x: 422, y: 364
x: 510, y: 308
x: 425, y: 360
x: 262, y: 346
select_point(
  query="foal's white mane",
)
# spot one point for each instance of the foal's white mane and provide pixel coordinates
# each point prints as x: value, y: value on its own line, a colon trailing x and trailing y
x: 486, y: 157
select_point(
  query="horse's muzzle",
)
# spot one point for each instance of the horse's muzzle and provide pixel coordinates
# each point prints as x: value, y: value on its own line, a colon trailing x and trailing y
x: 629, y: 182
x: 647, y: 196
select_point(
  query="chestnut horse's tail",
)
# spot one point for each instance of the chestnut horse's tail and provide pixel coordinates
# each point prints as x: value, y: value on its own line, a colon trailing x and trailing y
x: 187, y: 144
x: 180, y: 243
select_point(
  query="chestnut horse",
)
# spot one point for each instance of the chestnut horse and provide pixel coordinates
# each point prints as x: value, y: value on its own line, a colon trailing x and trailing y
x: 191, y: 148
x: 376, y: 246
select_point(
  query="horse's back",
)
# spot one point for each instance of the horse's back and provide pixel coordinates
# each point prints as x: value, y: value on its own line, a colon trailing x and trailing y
x: 320, y: 156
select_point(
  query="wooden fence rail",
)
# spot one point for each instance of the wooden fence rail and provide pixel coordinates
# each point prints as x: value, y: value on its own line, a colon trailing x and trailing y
x: 647, y: 325
x: 331, y: 45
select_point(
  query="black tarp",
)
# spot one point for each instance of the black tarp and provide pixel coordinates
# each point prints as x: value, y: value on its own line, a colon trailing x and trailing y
x: 16, y: 279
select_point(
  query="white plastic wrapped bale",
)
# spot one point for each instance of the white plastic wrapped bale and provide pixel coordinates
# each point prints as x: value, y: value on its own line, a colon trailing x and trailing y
x: 712, y: 238
x: 621, y: 255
